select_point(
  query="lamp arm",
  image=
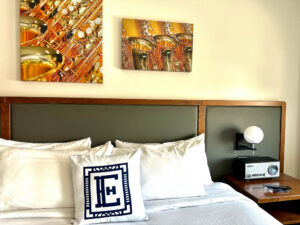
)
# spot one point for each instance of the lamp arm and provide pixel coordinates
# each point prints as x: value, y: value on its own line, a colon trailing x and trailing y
x: 247, y: 147
x: 242, y: 146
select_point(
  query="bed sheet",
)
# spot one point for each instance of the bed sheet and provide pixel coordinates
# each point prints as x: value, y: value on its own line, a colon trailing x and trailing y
x: 37, y: 221
x: 221, y: 206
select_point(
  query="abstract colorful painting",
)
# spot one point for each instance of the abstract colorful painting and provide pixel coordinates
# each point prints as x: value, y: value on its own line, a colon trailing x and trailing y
x: 154, y: 45
x: 61, y: 40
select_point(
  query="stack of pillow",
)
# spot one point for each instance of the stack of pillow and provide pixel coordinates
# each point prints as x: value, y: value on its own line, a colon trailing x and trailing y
x: 104, y: 184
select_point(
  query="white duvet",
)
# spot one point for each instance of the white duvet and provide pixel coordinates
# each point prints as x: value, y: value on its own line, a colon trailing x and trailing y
x: 221, y: 206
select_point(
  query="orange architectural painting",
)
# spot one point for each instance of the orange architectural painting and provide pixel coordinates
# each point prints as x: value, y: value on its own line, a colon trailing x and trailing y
x: 155, y: 45
x: 61, y: 40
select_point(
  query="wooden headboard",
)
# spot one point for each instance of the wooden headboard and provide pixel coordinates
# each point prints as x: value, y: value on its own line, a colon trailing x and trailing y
x: 15, y: 110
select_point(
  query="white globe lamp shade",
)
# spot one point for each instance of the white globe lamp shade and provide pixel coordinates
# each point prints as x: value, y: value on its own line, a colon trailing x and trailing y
x: 253, y: 134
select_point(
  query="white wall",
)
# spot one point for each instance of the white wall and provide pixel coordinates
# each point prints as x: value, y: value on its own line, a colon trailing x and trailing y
x: 242, y: 50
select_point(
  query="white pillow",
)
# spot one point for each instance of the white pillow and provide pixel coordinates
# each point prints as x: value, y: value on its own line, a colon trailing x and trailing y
x: 181, y: 145
x: 123, y: 144
x: 73, y: 145
x: 39, y: 178
x: 172, y: 171
x: 107, y: 189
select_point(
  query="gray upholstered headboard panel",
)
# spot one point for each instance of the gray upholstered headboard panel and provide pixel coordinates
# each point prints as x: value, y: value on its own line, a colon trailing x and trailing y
x: 139, y: 123
x: 64, y: 119
x: 222, y: 124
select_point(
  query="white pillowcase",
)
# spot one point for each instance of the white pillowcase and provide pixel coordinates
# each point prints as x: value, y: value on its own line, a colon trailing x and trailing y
x: 198, y: 142
x: 124, y: 144
x: 73, y: 145
x: 107, y: 189
x: 39, y: 178
x: 173, y: 171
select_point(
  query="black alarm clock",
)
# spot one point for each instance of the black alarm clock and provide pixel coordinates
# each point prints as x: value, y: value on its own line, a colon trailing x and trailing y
x: 258, y: 167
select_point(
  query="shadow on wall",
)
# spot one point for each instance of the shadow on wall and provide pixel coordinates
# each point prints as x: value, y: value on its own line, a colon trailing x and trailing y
x: 298, y: 121
x: 270, y: 8
x: 117, y: 34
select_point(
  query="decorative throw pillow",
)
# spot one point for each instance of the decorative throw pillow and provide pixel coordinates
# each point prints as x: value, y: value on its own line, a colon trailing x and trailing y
x: 31, y: 179
x: 107, y: 189
x: 72, y: 145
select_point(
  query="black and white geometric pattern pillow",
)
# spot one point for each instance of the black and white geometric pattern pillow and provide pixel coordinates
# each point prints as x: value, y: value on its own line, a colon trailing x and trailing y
x: 107, y: 189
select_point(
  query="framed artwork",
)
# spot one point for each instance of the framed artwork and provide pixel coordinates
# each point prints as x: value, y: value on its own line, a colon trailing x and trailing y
x: 156, y: 45
x: 61, y: 40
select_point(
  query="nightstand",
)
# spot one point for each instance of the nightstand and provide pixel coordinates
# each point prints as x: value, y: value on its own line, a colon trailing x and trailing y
x: 285, y: 207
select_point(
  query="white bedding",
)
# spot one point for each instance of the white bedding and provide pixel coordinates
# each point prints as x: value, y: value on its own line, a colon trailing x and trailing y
x: 221, y: 206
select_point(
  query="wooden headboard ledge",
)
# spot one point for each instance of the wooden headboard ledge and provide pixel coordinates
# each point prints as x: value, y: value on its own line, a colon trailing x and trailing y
x: 6, y: 103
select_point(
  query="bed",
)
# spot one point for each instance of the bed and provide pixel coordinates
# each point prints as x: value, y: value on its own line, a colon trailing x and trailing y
x: 63, y: 119
x: 222, y: 206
